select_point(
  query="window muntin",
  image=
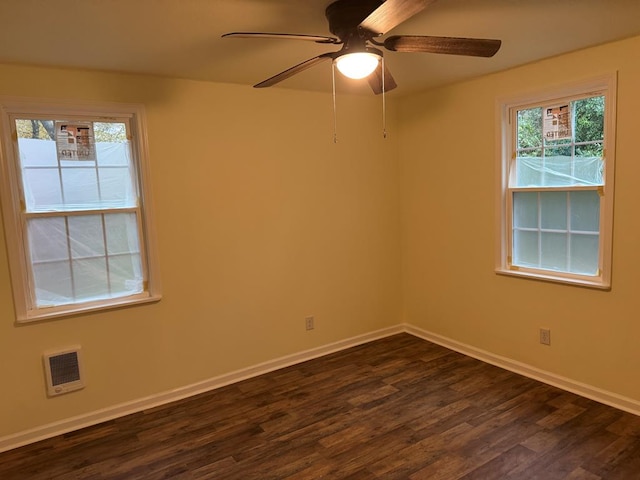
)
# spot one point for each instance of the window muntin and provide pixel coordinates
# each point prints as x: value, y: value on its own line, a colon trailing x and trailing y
x: 556, y: 219
x: 85, y: 226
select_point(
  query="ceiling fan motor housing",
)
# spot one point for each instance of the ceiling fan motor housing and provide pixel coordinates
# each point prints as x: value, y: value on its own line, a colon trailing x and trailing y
x: 344, y: 16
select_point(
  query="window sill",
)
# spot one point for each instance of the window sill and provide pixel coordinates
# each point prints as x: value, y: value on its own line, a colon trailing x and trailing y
x: 579, y: 281
x: 54, y: 313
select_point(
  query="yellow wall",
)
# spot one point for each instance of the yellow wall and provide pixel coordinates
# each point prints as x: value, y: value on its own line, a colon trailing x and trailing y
x: 261, y: 220
x: 448, y: 182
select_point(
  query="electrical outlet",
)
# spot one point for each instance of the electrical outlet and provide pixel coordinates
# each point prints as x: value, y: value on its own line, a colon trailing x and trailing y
x: 545, y: 336
x: 309, y: 323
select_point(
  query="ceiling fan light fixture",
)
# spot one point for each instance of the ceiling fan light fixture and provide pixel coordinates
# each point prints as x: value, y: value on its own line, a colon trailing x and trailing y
x: 357, y: 65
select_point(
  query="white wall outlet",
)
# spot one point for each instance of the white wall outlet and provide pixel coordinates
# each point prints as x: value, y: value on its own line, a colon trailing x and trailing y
x: 545, y: 336
x: 309, y: 323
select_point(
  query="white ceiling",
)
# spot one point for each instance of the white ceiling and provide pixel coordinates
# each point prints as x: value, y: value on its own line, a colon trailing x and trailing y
x: 181, y: 38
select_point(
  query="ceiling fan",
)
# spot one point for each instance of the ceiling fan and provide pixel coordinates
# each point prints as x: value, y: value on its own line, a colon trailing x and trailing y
x: 356, y: 25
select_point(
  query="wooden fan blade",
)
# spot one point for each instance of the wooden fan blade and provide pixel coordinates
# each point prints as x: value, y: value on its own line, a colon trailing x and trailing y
x: 474, y: 47
x: 392, y: 13
x: 284, y: 36
x: 375, y: 80
x: 290, y: 72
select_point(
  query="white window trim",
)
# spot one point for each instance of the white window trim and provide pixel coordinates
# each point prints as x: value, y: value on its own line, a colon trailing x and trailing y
x: 10, y: 197
x: 601, y: 85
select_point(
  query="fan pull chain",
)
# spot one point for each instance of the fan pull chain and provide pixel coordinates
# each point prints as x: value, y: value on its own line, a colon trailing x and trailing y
x: 335, y: 116
x: 384, y: 103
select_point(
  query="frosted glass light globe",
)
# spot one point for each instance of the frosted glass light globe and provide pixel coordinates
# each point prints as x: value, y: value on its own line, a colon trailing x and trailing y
x: 357, y: 65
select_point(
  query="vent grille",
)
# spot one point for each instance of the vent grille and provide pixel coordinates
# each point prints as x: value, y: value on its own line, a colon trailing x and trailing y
x: 65, y: 368
x: 63, y: 371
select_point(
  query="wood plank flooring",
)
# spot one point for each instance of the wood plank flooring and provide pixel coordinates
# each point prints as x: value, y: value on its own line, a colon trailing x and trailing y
x: 396, y: 408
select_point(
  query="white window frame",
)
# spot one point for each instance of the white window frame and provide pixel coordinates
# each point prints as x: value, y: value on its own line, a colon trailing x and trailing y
x: 14, y: 214
x: 506, y: 110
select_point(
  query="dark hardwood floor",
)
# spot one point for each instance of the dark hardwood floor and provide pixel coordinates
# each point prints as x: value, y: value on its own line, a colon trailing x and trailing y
x: 396, y: 408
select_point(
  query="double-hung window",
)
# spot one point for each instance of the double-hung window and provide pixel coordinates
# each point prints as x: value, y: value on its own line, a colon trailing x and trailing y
x: 556, y: 184
x: 76, y: 207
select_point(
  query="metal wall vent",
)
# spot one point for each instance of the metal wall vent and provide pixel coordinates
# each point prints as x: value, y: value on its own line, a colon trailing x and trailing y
x: 63, y: 370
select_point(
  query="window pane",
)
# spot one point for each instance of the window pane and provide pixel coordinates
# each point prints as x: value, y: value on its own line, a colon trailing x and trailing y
x: 556, y: 169
x: 553, y: 251
x: 116, y: 187
x: 113, y: 154
x: 584, y: 254
x: 37, y: 152
x: 588, y: 169
x: 87, y: 237
x: 110, y: 132
x: 530, y: 128
x: 562, y: 145
x: 525, y: 209
x: 34, y: 129
x: 80, y: 186
x: 126, y: 274
x: 47, y: 239
x: 98, y: 271
x: 41, y: 189
x: 90, y: 279
x: 50, y: 185
x: 122, y: 233
x: 529, y: 169
x: 561, y: 162
x: 525, y: 248
x: 553, y: 210
x: 589, y: 119
x: 52, y: 284
x: 582, y: 208
x: 590, y: 150
x: 585, y: 211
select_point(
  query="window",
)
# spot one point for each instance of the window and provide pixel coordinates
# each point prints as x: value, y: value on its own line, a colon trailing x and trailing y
x: 76, y: 208
x: 556, y: 184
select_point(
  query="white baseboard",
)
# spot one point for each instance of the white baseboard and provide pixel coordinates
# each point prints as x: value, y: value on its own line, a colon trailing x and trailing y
x: 10, y: 442
x: 19, y: 439
x: 608, y: 398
